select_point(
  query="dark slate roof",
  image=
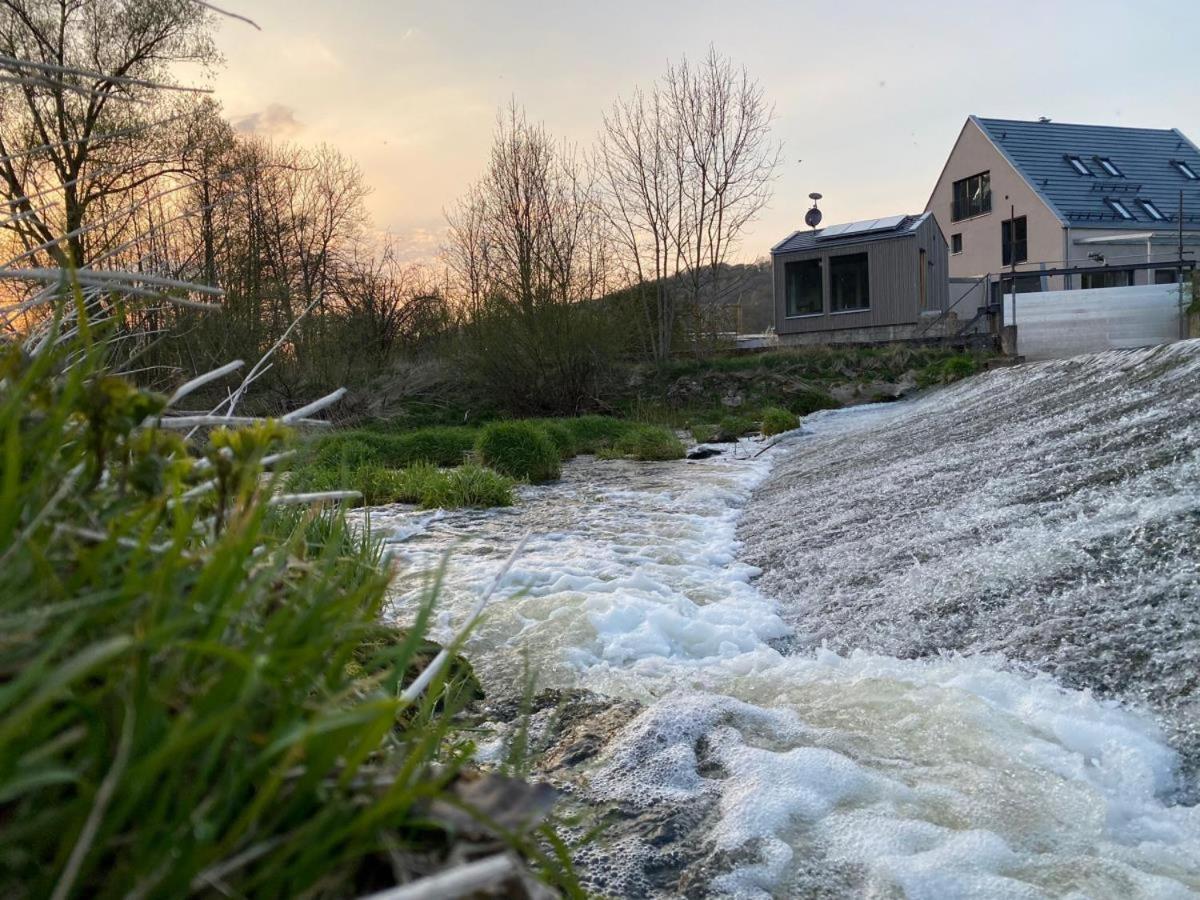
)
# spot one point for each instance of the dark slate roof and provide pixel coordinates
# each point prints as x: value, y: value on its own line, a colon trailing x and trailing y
x: 1038, y: 150
x: 809, y: 239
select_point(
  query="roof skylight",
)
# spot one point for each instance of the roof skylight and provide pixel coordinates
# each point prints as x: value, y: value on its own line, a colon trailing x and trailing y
x: 1109, y: 166
x: 1185, y: 170
x: 1151, y: 210
x: 1119, y: 208
x: 1078, y: 165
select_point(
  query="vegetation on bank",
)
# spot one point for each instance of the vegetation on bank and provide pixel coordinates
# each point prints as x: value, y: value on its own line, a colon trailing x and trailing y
x: 453, y: 467
x: 717, y: 400
x: 198, y: 695
x: 521, y: 450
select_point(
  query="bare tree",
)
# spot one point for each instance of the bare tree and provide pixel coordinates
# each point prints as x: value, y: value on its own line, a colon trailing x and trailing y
x: 76, y: 128
x: 530, y: 229
x: 683, y: 169
x: 527, y: 246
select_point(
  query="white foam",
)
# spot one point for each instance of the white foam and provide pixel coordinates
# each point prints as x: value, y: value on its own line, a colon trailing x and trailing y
x: 941, y: 777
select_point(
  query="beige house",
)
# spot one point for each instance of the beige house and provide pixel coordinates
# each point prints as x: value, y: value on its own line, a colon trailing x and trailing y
x: 1047, y: 196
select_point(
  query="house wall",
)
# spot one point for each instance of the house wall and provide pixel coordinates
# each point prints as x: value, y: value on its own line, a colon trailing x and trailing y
x: 1126, y: 249
x: 893, y: 271
x: 982, y: 250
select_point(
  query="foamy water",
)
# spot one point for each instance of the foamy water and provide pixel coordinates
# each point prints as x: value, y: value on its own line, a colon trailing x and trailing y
x: 783, y: 768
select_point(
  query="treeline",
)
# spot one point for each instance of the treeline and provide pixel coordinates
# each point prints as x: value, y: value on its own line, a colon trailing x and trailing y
x: 561, y: 263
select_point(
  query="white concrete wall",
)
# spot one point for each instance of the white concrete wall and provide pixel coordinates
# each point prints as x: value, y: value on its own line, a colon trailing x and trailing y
x: 1058, y: 324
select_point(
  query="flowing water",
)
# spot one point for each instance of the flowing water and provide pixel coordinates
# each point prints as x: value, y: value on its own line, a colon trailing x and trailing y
x: 965, y: 670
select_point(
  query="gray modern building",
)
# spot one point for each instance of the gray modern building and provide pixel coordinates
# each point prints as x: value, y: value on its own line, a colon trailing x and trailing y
x: 1047, y: 195
x: 877, y: 280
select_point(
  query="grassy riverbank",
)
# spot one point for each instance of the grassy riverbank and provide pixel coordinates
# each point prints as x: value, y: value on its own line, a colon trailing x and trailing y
x: 198, y: 696
x: 417, y: 456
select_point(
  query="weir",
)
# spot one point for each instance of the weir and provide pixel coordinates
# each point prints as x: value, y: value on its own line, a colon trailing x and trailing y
x: 937, y: 647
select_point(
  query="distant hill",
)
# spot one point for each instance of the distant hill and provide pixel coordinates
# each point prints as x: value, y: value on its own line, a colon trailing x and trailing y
x: 744, y: 294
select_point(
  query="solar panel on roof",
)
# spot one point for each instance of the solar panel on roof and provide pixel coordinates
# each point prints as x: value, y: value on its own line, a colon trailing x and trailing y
x: 833, y: 231
x: 866, y: 226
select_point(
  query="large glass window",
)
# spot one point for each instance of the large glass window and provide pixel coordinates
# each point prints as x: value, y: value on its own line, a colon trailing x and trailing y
x: 1107, y: 278
x: 1014, y: 241
x: 802, y: 281
x: 1023, y: 284
x: 1166, y: 276
x: 972, y: 196
x: 849, y: 283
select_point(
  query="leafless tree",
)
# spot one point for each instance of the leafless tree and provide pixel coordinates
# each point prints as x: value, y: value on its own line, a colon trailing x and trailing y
x: 683, y: 168
x: 83, y: 124
x: 530, y: 229
x: 527, y: 244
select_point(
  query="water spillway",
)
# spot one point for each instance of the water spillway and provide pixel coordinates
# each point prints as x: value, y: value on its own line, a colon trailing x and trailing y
x: 1050, y: 513
x: 937, y: 648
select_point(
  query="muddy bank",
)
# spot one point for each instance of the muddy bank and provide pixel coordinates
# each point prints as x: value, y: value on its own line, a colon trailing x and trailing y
x: 1050, y: 513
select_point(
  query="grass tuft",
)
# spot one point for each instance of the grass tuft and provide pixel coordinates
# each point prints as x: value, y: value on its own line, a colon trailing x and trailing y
x: 561, y: 436
x: 519, y: 449
x: 776, y: 421
x: 595, y: 433
x: 647, y: 442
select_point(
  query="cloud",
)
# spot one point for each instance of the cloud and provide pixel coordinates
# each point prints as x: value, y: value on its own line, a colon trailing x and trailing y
x: 277, y: 120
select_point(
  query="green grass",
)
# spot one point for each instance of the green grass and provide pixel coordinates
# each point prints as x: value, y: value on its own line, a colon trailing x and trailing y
x: 950, y: 369
x: 738, y: 424
x: 423, y: 484
x: 195, y: 696
x: 519, y: 449
x: 776, y: 421
x: 561, y: 436
x: 595, y: 433
x: 442, y: 446
x: 646, y: 442
x: 468, y: 485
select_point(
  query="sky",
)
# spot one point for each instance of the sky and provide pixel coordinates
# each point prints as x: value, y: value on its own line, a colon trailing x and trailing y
x: 869, y: 96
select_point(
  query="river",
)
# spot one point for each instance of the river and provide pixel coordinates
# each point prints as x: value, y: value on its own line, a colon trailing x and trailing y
x: 910, y: 651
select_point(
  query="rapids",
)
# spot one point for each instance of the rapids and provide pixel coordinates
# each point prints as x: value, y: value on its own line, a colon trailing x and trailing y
x: 967, y: 668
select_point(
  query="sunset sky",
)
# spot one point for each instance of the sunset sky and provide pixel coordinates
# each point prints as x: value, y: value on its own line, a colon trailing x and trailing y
x: 869, y: 96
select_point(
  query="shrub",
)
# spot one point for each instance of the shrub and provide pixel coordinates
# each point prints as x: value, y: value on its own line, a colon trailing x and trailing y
x: 595, y: 433
x: 703, y: 434
x: 777, y: 421
x: 519, y: 450
x: 648, y: 442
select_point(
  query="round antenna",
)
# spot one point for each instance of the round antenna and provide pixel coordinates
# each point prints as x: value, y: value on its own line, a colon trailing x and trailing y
x: 812, y: 218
